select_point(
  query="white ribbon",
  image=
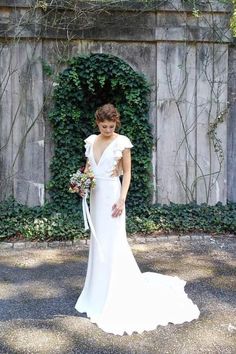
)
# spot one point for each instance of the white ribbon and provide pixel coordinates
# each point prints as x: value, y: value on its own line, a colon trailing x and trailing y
x: 88, y: 222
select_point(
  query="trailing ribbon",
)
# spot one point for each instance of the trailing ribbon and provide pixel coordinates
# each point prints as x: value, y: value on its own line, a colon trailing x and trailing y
x: 88, y: 222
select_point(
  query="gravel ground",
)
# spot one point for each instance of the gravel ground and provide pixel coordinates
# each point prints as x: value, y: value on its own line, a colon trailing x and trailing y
x: 39, y: 288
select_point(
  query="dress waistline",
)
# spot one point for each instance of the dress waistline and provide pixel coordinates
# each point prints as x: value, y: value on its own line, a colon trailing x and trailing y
x: 115, y: 178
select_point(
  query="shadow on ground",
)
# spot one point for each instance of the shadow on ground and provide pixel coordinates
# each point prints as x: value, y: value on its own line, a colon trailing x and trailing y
x: 39, y: 288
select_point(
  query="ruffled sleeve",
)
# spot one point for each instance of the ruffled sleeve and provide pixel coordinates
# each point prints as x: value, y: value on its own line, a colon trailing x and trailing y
x: 127, y: 143
x: 88, y: 143
x: 122, y: 143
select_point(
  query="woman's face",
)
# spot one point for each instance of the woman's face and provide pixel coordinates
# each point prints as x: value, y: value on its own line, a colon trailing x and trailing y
x: 106, y: 127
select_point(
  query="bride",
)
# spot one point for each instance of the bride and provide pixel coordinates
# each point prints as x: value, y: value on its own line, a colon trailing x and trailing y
x: 116, y: 295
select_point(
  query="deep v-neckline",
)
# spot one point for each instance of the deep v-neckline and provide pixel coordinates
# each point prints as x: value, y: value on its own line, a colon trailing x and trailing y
x: 97, y: 164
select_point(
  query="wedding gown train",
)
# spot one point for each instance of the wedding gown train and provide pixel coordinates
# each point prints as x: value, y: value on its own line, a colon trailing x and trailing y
x: 116, y: 295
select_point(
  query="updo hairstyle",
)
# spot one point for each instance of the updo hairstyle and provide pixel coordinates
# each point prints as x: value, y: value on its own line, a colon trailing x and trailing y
x: 108, y: 112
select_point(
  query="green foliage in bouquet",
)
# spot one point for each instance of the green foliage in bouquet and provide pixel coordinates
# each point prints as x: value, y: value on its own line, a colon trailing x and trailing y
x: 89, y: 82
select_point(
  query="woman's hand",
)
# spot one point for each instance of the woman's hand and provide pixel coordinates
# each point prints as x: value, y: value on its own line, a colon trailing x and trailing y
x: 118, y: 207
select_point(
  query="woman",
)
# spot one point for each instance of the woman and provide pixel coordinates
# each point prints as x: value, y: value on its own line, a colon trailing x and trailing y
x: 116, y: 295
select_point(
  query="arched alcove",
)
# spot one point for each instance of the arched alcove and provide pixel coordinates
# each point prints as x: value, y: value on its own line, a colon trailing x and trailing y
x: 87, y: 83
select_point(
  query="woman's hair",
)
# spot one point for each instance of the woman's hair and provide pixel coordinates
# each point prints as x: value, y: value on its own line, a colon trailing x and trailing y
x: 108, y: 112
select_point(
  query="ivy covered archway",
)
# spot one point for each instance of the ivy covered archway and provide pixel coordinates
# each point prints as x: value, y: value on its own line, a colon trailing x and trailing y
x: 87, y: 83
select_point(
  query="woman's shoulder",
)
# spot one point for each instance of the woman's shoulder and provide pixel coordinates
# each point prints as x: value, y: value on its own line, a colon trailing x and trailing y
x: 124, y: 141
x: 90, y: 138
x: 88, y: 143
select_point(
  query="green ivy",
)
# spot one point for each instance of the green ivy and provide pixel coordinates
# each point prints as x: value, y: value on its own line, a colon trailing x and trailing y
x: 39, y: 223
x: 87, y: 83
x: 184, y: 218
x: 50, y: 223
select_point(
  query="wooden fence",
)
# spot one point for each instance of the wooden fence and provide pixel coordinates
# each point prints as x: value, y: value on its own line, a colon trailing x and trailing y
x: 188, y: 58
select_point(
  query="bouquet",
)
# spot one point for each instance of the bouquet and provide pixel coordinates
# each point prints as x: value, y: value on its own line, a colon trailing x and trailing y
x: 81, y: 182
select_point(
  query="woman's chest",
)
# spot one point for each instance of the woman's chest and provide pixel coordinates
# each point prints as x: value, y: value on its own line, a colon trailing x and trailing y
x: 105, y: 161
x: 98, y: 150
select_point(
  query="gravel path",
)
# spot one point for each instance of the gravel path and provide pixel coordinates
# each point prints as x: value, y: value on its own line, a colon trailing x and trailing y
x: 39, y: 288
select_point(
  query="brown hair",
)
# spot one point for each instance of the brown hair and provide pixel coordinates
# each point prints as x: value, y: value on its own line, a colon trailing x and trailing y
x: 108, y: 112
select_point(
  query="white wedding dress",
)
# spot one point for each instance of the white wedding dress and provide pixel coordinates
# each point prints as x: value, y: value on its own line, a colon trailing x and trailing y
x: 116, y: 295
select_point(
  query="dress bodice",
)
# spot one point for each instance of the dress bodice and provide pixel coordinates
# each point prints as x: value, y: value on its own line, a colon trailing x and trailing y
x: 109, y: 164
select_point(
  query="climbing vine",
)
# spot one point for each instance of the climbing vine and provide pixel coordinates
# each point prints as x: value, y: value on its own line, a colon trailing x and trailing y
x: 196, y: 9
x: 88, y: 82
x: 212, y: 132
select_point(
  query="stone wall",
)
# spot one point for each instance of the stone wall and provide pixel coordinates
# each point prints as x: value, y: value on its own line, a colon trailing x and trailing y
x: 189, y: 61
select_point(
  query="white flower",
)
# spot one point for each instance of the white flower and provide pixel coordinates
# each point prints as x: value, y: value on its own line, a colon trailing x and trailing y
x: 55, y: 84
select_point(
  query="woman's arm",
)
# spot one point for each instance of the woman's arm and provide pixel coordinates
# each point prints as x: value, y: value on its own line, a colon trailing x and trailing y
x: 126, y: 166
x: 86, y: 166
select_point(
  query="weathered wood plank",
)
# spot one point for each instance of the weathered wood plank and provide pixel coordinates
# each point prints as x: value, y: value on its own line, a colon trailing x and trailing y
x: 171, y: 153
x: 6, y: 181
x: 231, y: 132
x: 190, y: 123
x: 176, y: 5
x: 17, y: 3
x: 212, y: 62
x: 115, y: 25
x: 28, y: 132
